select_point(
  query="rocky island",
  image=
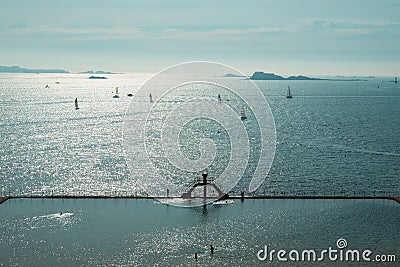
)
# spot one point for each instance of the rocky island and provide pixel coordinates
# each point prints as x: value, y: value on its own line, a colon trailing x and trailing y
x: 18, y: 69
x: 98, y: 77
x: 96, y: 72
x: 259, y: 75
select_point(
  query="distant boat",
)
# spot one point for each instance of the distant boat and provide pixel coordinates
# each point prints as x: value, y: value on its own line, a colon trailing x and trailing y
x: 242, y: 114
x: 116, y: 93
x: 76, y: 103
x: 289, y: 93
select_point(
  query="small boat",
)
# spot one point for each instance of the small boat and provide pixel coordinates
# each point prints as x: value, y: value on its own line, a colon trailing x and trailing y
x: 76, y: 103
x: 116, y: 93
x: 130, y: 95
x: 60, y: 215
x: 289, y: 93
x: 242, y: 114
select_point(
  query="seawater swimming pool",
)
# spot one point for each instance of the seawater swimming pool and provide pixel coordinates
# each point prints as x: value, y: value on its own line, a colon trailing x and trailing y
x: 143, y: 232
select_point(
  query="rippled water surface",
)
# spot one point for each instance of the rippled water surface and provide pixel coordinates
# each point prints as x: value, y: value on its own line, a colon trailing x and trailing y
x: 333, y: 137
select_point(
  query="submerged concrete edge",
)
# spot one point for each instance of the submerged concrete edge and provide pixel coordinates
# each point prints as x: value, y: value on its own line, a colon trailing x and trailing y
x: 5, y: 198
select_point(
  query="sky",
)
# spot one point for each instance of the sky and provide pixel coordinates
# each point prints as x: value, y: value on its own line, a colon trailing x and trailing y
x: 287, y: 37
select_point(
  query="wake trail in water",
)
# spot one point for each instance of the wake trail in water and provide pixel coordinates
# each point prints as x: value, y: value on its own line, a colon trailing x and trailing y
x: 366, y: 151
x: 349, y: 149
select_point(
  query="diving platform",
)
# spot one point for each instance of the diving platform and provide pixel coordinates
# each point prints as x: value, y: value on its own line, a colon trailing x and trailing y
x: 204, y: 183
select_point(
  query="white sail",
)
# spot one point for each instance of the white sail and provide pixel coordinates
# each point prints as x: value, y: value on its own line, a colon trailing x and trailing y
x: 289, y: 93
x: 116, y: 93
x: 243, y: 114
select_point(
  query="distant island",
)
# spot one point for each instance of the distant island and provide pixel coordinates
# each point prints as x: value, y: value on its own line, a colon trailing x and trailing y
x: 259, y: 75
x: 232, y: 75
x: 18, y: 69
x: 96, y: 72
x: 98, y: 77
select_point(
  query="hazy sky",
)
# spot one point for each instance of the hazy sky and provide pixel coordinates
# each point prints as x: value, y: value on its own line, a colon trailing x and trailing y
x: 308, y: 37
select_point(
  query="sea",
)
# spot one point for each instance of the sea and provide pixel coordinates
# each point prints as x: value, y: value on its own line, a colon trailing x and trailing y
x: 334, y: 137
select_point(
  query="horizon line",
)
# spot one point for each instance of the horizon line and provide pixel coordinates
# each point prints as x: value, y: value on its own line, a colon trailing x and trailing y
x: 63, y: 71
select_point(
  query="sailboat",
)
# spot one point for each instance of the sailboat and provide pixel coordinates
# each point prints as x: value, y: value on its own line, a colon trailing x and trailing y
x: 289, y: 93
x: 116, y: 93
x: 242, y: 114
x: 76, y: 103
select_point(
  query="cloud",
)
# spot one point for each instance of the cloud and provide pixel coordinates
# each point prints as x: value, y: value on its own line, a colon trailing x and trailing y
x: 104, y: 33
x: 220, y: 33
x: 71, y: 34
x: 352, y: 26
x: 18, y: 25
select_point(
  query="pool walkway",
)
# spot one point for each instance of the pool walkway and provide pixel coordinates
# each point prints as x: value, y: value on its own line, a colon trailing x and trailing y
x: 5, y: 198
